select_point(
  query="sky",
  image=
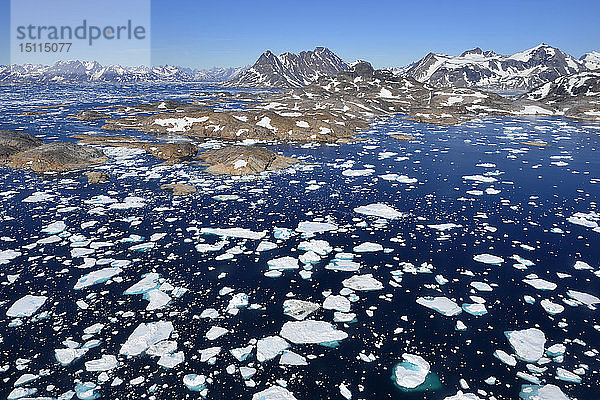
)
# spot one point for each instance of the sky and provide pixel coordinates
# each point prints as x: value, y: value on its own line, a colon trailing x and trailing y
x: 203, y: 34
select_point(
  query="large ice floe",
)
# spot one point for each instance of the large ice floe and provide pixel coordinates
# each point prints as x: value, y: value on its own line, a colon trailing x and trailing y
x: 443, y: 305
x: 379, y: 210
x: 26, y: 306
x: 411, y: 372
x: 311, y: 331
x: 527, y: 343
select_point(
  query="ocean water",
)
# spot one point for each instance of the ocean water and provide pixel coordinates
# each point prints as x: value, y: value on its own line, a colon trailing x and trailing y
x: 524, y: 207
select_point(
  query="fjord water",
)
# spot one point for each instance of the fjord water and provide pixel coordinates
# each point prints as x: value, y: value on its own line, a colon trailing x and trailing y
x: 535, y: 190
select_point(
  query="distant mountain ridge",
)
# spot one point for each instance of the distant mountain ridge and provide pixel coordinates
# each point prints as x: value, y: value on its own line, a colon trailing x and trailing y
x: 290, y: 70
x: 488, y: 70
x: 93, y: 71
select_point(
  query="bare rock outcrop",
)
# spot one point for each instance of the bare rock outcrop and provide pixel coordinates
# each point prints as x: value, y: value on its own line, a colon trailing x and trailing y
x: 56, y: 157
x: 244, y: 160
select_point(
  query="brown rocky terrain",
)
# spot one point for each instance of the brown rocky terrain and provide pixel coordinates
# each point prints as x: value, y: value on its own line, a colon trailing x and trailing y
x: 56, y: 157
x: 179, y: 189
x: 171, y: 152
x: 244, y: 160
x: 15, y: 142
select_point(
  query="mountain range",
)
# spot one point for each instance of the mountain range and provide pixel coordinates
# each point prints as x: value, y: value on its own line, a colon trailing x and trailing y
x: 289, y: 69
x: 476, y: 68
x: 488, y: 70
x: 93, y: 71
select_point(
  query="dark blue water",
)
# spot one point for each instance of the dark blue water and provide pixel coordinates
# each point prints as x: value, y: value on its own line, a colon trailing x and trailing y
x: 535, y: 196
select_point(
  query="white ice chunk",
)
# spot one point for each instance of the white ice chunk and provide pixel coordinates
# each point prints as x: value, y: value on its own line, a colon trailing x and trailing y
x: 379, y: 210
x: 527, y: 343
x: 311, y: 331
x: 411, y: 372
x: 443, y: 305
x: 26, y: 306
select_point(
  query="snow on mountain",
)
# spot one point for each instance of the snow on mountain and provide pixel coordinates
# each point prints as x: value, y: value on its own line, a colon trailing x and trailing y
x: 289, y: 69
x: 591, y: 60
x: 92, y: 71
x: 585, y: 84
x: 489, y: 70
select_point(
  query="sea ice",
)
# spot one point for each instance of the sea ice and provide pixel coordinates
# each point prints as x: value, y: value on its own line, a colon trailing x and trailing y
x: 311, y: 331
x: 362, y: 283
x: 148, y: 282
x: 291, y: 358
x: 240, y: 233
x: 567, y: 376
x: 54, y: 228
x: 379, y: 210
x: 215, y: 332
x: 527, y: 343
x: 311, y: 228
x: 67, y: 356
x: 299, y: 309
x: 274, y: 393
x: 505, y: 357
x: 95, y: 277
x: 475, y: 309
x: 270, y: 347
x: 367, y: 247
x: 320, y: 247
x: 585, y: 298
x: 481, y: 286
x: 540, y: 284
x: 411, y: 372
x: 26, y: 306
x: 283, y: 263
x: 488, y: 259
x: 104, y: 363
x: 546, y: 392
x: 552, y: 308
x: 443, y: 305
x: 145, y: 335
x: 194, y: 382
x: 339, y: 303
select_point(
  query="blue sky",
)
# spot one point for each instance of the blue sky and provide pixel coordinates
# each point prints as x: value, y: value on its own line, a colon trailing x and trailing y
x: 388, y: 33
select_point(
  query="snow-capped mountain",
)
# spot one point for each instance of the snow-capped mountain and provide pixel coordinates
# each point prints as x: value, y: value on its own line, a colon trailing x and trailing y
x: 591, y: 60
x: 584, y: 84
x: 576, y: 96
x: 289, y: 69
x: 92, y: 71
x: 489, y: 70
